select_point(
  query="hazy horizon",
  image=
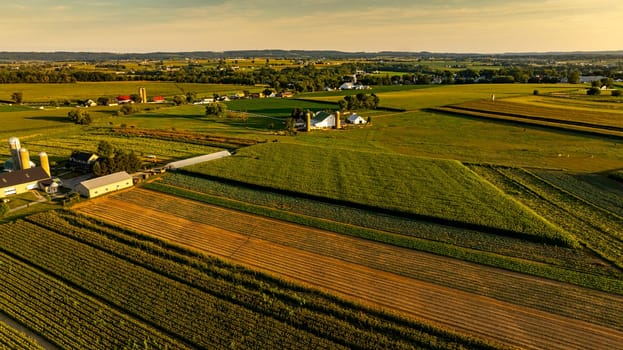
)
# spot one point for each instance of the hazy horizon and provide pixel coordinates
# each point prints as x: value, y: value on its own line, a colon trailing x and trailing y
x: 456, y: 26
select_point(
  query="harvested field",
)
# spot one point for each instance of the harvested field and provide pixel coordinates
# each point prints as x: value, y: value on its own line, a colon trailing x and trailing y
x: 600, y: 123
x: 471, y: 299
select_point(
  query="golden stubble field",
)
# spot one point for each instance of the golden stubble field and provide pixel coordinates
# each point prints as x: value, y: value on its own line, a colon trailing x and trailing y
x: 309, y: 256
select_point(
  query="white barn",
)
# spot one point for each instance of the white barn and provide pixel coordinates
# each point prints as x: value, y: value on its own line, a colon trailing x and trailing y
x: 104, y: 184
x: 323, y: 120
x: 355, y: 119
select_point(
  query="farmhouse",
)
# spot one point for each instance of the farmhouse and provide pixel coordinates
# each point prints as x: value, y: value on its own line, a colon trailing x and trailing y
x: 104, y: 184
x: 82, y: 161
x: 21, y: 181
x: 355, y: 119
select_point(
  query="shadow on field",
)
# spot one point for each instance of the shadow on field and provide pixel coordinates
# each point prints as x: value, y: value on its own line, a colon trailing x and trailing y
x: 51, y: 118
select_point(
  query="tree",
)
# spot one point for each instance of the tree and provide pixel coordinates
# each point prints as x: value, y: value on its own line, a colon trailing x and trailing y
x: 574, y: 77
x: 128, y: 109
x: 593, y: 91
x: 179, y: 99
x: 18, y: 97
x: 105, y: 149
x: 191, y: 96
x: 79, y: 116
x: 216, y: 108
x: 103, y: 100
x: 616, y: 93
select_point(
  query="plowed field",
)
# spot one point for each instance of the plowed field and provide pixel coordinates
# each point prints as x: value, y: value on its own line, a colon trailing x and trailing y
x: 380, y: 275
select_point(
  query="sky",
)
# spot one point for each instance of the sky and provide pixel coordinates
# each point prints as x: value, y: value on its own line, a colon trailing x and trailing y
x: 459, y: 26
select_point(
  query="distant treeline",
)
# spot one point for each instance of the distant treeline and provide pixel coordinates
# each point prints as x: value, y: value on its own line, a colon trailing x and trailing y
x: 310, y: 77
x: 63, y: 56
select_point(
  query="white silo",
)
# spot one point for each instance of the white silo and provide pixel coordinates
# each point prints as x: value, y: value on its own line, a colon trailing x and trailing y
x: 15, y: 147
x: 45, y: 163
x: 25, y: 158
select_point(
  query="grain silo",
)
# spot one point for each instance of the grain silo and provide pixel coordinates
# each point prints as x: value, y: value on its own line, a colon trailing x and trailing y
x: 308, y: 124
x: 143, y: 94
x: 25, y: 159
x: 338, y: 123
x: 45, y: 163
x: 15, y: 147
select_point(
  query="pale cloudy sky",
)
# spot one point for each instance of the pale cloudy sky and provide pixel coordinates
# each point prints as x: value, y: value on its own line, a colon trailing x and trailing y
x: 484, y: 26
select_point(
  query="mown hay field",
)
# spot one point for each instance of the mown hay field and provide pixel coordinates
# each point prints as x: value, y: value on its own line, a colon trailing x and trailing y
x: 438, y: 190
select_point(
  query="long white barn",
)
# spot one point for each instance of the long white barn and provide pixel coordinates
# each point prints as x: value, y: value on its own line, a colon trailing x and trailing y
x: 104, y: 184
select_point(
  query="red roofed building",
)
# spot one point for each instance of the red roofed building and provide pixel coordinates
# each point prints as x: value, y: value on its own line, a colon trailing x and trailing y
x: 157, y: 99
x: 123, y: 99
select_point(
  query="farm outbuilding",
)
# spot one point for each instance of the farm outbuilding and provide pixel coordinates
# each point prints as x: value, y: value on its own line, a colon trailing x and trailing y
x: 323, y: 120
x: 21, y: 181
x: 82, y: 161
x: 104, y: 184
x: 355, y: 119
x: 196, y: 160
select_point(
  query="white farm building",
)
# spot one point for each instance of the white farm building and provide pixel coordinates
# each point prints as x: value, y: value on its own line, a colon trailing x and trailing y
x: 104, y: 184
x: 323, y: 120
x: 196, y: 160
x: 355, y: 119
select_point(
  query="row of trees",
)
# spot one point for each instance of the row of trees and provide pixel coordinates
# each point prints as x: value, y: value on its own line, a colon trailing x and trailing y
x: 359, y: 101
x: 310, y: 78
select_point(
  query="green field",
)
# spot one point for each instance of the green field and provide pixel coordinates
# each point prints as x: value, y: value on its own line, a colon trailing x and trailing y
x: 44, y: 93
x: 433, y: 189
x: 524, y: 198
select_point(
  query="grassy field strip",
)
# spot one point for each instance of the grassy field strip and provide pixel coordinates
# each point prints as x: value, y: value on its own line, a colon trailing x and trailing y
x: 299, y: 262
x: 549, y: 123
x: 560, y: 209
x: 435, y: 265
x: 498, y: 244
x: 335, y: 320
x: 428, y: 189
x: 596, y: 118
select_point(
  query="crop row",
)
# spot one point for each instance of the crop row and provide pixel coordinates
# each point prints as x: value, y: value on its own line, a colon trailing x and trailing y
x: 355, y: 217
x: 604, y: 193
x: 12, y: 339
x: 65, y: 316
x: 596, y: 118
x: 451, y: 307
x: 539, y: 121
x: 585, y: 276
x: 378, y: 256
x: 306, y: 311
x: 196, y: 317
x: 598, y: 232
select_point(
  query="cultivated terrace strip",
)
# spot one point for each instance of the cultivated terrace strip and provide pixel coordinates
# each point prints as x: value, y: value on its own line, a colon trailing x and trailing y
x: 370, y: 285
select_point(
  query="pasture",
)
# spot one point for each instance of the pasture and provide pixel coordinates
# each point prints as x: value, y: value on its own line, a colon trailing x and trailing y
x: 436, y: 190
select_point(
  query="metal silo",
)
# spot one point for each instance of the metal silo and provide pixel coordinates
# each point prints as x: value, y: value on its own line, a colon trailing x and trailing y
x: 15, y: 147
x: 45, y: 163
x: 25, y: 158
